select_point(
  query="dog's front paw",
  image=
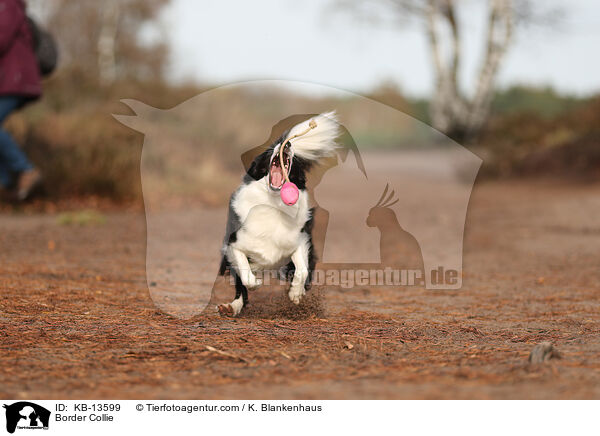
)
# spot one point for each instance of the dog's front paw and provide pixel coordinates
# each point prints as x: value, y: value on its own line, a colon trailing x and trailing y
x: 296, y: 293
x: 249, y: 280
x: 253, y: 282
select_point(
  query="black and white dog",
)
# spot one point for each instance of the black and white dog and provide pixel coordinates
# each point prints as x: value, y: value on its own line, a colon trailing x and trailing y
x: 264, y: 234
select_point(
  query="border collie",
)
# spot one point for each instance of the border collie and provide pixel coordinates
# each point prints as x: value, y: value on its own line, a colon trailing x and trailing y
x: 263, y: 234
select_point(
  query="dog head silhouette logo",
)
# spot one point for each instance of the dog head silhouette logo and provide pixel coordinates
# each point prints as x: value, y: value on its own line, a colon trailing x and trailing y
x: 26, y: 415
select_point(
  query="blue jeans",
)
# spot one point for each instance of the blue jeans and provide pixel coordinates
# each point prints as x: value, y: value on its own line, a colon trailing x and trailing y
x: 12, y: 158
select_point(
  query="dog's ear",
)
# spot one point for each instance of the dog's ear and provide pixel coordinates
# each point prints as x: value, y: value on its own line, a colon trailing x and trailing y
x: 260, y: 166
x: 298, y: 172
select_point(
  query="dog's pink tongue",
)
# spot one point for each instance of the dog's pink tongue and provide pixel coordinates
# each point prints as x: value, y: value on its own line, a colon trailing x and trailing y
x: 276, y: 177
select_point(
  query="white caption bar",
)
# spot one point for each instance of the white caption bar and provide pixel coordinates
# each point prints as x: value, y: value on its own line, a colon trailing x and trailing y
x: 298, y: 417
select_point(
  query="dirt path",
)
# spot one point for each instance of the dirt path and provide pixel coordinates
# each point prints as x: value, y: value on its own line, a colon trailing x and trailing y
x: 76, y: 320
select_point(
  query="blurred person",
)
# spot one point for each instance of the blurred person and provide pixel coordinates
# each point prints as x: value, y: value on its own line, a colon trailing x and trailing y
x: 20, y: 83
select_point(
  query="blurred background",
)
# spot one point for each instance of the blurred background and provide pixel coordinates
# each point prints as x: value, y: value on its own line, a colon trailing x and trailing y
x: 514, y: 81
x: 85, y: 265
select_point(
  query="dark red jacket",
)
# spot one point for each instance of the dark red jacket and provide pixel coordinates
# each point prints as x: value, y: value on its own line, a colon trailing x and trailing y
x: 19, y: 73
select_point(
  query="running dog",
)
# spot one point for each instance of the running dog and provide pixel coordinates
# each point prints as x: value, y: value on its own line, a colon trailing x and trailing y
x: 263, y: 234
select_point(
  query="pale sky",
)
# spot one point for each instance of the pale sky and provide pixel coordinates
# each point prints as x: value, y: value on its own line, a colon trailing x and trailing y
x: 224, y: 41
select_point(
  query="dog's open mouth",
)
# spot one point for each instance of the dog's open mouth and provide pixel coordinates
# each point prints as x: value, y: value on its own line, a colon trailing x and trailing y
x: 276, y: 173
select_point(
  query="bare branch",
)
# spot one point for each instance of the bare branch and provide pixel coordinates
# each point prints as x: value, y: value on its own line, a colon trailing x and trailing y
x: 449, y: 12
x: 109, y: 26
x: 432, y: 34
x: 499, y: 37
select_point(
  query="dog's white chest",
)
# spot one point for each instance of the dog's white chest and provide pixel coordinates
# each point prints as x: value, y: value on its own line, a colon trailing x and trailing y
x: 270, y: 230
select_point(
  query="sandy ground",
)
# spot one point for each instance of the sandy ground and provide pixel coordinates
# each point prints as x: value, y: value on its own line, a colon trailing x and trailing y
x: 77, y: 321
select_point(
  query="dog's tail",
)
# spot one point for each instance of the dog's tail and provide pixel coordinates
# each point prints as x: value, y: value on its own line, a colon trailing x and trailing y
x: 319, y: 141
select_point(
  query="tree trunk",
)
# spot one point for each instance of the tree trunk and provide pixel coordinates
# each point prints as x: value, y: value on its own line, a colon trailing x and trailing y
x: 452, y: 112
x: 500, y: 32
x: 107, y: 65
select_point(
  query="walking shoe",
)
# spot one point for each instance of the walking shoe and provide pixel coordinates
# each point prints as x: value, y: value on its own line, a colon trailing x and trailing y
x: 28, y: 181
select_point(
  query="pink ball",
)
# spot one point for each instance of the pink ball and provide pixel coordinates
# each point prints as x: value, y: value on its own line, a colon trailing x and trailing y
x: 289, y: 193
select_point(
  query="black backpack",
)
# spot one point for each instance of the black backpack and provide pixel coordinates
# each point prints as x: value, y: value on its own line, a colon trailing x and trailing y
x: 44, y: 47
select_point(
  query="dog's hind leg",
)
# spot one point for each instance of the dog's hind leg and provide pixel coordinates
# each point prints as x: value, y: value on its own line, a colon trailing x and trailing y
x: 241, y: 299
x: 300, y: 258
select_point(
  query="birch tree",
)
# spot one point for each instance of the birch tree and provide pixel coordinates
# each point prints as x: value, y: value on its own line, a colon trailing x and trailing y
x: 458, y: 113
